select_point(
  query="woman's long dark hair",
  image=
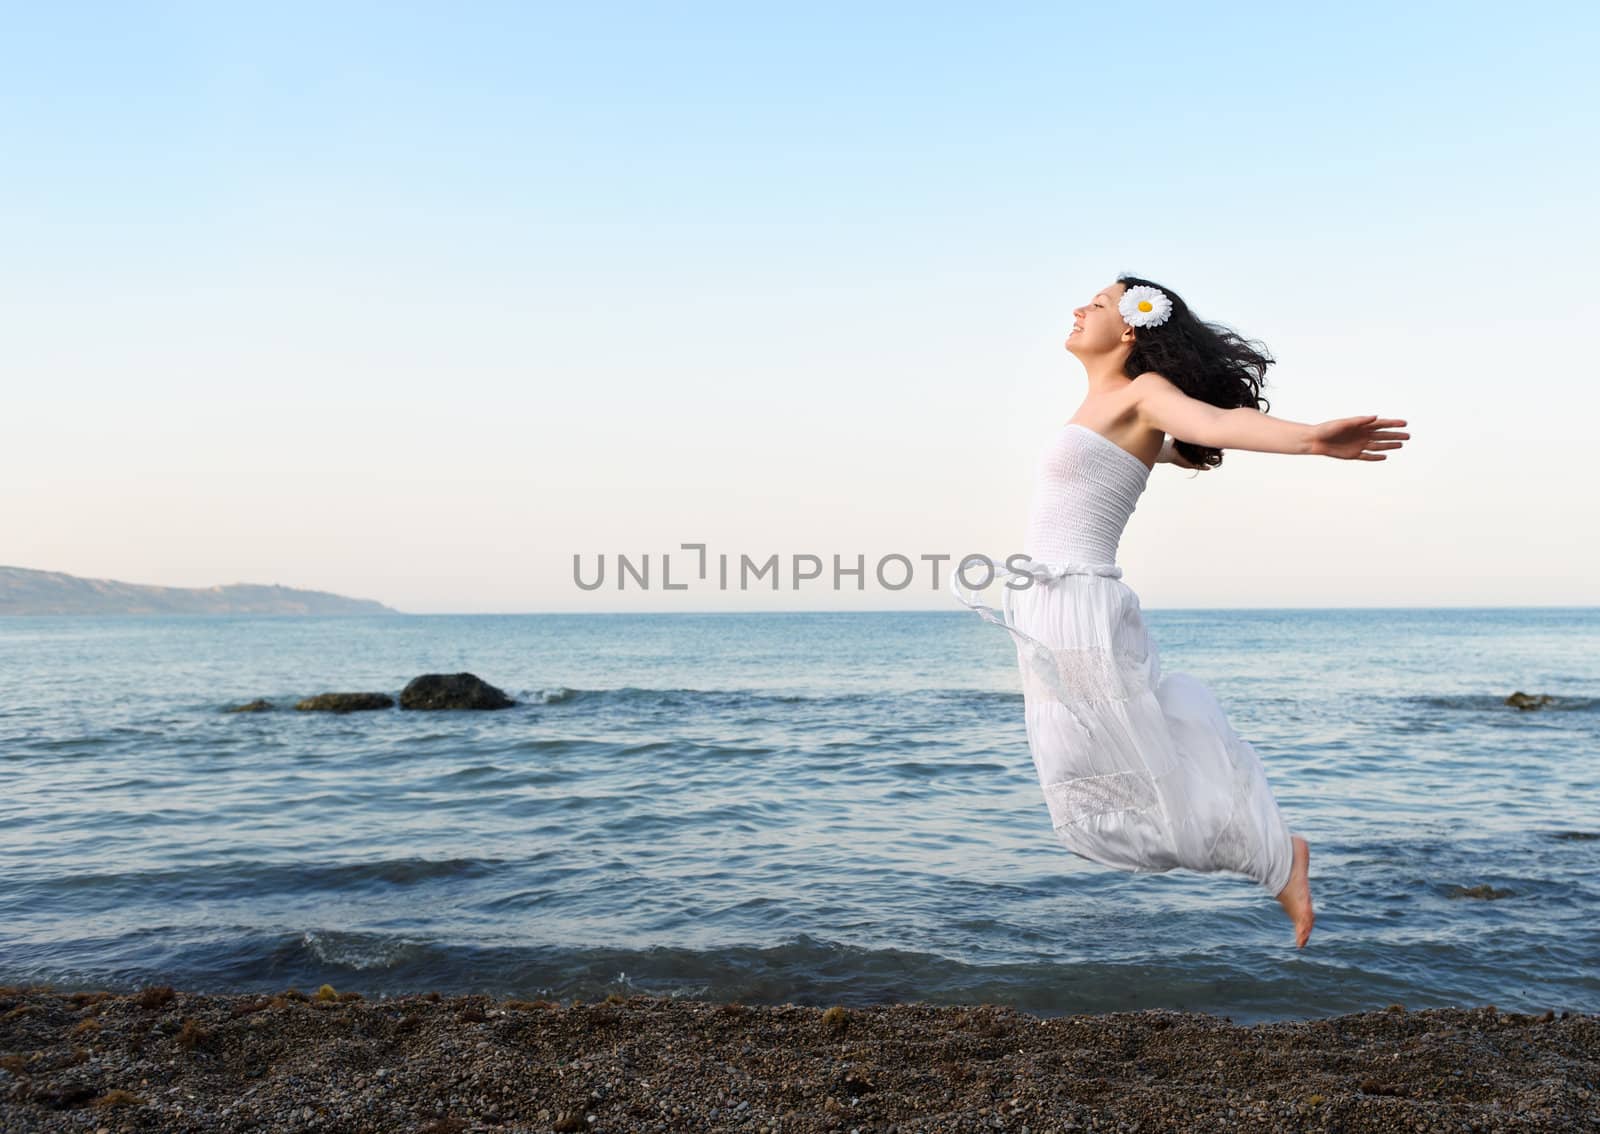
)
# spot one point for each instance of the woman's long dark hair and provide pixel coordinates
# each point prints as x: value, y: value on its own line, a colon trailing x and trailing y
x: 1207, y: 361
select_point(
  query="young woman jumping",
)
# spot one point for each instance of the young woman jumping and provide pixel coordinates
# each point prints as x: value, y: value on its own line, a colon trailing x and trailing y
x: 1140, y: 768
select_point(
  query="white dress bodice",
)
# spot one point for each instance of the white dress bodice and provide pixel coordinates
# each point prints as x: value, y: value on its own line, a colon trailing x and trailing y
x: 1140, y: 766
x: 1086, y: 487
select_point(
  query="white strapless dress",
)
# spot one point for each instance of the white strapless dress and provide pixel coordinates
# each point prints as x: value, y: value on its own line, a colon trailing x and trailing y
x: 1141, y: 769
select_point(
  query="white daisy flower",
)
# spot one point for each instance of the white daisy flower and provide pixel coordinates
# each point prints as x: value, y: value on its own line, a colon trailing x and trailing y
x: 1144, y: 306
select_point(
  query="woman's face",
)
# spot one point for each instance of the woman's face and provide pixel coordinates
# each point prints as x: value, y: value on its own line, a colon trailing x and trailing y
x: 1098, y: 327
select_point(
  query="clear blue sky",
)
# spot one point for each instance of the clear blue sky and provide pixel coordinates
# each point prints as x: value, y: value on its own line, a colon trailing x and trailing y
x: 414, y: 302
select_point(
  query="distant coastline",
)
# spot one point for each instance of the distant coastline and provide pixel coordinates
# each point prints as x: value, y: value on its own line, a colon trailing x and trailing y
x: 24, y: 591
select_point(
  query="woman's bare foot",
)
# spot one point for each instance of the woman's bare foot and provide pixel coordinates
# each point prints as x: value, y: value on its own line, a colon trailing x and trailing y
x: 1295, y: 897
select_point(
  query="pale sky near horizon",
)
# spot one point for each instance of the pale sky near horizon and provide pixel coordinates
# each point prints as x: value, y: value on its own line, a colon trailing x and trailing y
x: 416, y: 302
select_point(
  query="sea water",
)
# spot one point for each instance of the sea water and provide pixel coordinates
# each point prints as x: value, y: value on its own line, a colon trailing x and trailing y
x: 828, y: 808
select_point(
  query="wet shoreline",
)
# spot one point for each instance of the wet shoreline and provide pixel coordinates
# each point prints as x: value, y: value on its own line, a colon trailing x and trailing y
x: 160, y: 1059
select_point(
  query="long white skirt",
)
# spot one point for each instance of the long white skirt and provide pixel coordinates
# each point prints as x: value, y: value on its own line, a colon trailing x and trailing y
x: 1141, y: 770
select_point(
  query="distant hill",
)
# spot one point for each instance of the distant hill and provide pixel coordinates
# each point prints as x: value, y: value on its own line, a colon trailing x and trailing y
x: 24, y: 591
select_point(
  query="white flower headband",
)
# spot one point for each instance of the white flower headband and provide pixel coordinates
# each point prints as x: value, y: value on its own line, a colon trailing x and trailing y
x: 1144, y: 306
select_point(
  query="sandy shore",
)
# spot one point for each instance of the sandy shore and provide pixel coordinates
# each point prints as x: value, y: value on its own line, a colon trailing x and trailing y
x: 174, y: 1061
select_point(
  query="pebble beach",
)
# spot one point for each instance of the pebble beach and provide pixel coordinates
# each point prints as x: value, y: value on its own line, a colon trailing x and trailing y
x: 160, y: 1059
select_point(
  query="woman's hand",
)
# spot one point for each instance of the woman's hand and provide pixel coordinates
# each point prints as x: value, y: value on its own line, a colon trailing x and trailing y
x: 1357, y: 438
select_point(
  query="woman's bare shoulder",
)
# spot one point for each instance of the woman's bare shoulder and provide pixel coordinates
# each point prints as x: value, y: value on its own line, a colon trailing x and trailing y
x: 1152, y: 388
x: 1148, y: 381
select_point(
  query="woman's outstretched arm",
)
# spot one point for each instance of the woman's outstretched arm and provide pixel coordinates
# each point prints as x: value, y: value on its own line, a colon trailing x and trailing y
x: 1161, y: 405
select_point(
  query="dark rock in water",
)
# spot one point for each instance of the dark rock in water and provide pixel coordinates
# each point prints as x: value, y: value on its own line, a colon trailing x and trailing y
x: 346, y: 702
x: 256, y: 706
x: 1529, y: 700
x: 452, y: 691
x: 1485, y: 891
